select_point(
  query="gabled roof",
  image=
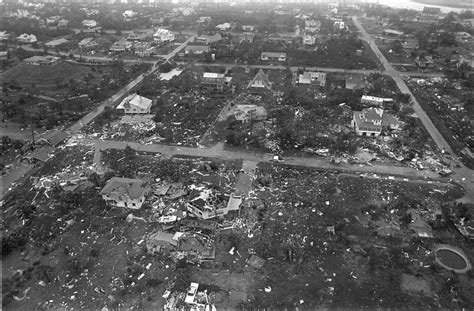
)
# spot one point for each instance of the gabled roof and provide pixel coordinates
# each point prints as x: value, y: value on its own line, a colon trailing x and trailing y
x: 132, y: 188
x: 274, y: 54
x: 55, y: 137
x: 262, y: 78
x: 135, y: 100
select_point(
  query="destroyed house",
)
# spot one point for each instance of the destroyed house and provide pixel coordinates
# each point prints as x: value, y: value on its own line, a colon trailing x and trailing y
x: 205, y: 204
x: 260, y: 81
x: 198, y: 224
x: 121, y: 46
x: 215, y: 81
x: 39, y: 155
x: 250, y: 113
x: 371, y: 121
x: 124, y: 192
x: 135, y: 104
x: 160, y: 241
x: 273, y: 56
x: 195, y: 246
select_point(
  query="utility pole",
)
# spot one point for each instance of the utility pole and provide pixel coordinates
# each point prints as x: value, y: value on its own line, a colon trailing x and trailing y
x: 33, y: 137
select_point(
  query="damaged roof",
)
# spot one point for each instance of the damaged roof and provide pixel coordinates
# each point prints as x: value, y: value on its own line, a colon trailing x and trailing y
x: 133, y: 188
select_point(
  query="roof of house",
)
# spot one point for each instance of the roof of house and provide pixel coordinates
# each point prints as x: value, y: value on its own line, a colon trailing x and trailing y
x: 41, y: 154
x: 55, y: 137
x: 273, y: 54
x: 196, y: 48
x: 431, y: 10
x: 56, y: 42
x: 209, y: 38
x: 39, y: 58
x: 393, y: 32
x: 132, y: 188
x: 135, y: 100
x: 355, y: 81
x: 165, y: 237
x: 263, y: 78
x: 373, y: 119
x: 87, y: 41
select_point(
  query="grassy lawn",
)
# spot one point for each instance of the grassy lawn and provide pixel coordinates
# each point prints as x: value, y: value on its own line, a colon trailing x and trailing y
x: 44, y: 76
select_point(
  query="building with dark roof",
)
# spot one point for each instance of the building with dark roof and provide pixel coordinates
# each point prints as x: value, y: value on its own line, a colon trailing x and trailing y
x: 124, y: 192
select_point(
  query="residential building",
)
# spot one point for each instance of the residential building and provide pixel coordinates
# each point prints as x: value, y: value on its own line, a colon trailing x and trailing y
x: 355, y: 82
x: 248, y: 28
x: 215, y: 81
x: 424, y: 62
x: 129, y: 14
x: 204, y: 203
x: 135, y: 104
x: 373, y: 100
x: 249, y: 113
x: 162, y: 241
x: 3, y: 55
x: 204, y: 20
x: 163, y: 35
x: 4, y: 36
x: 339, y: 24
x: 312, y: 26
x: 462, y: 36
x: 393, y: 33
x: 42, y: 60
x: 260, y: 81
x: 87, y: 43
x: 89, y: 23
x: 138, y: 36
x: 309, y: 39
x: 208, y: 39
x: 430, y: 11
x: 144, y: 49
x: 273, y: 56
x: 411, y: 44
x: 53, y: 20
x: 311, y: 77
x: 196, y: 49
x: 124, y: 192
x: 223, y: 27
x: 246, y: 37
x: 121, y: 46
x: 371, y: 122
x: 57, y: 42
x: 62, y: 23
x: 26, y: 38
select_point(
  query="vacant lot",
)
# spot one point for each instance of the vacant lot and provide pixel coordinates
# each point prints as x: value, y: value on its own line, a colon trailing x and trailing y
x: 43, y: 76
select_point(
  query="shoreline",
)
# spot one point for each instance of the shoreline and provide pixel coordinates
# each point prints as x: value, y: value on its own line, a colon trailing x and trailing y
x: 465, y: 6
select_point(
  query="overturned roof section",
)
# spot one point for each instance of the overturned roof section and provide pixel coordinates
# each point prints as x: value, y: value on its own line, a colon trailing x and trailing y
x: 260, y: 81
x: 132, y: 188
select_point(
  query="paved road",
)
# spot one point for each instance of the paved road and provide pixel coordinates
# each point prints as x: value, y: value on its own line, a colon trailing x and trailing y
x: 219, y: 152
x: 322, y: 69
x: 463, y: 175
x: 21, y: 169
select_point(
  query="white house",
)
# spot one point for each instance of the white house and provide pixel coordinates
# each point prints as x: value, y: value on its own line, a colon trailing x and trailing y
x: 25, y: 38
x: 129, y: 14
x: 89, y: 23
x: 273, y: 56
x: 373, y: 100
x: 260, y: 81
x: 309, y: 40
x: 124, y: 192
x: 135, y: 104
x: 224, y: 27
x: 4, y: 35
x: 371, y: 121
x: 163, y: 35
